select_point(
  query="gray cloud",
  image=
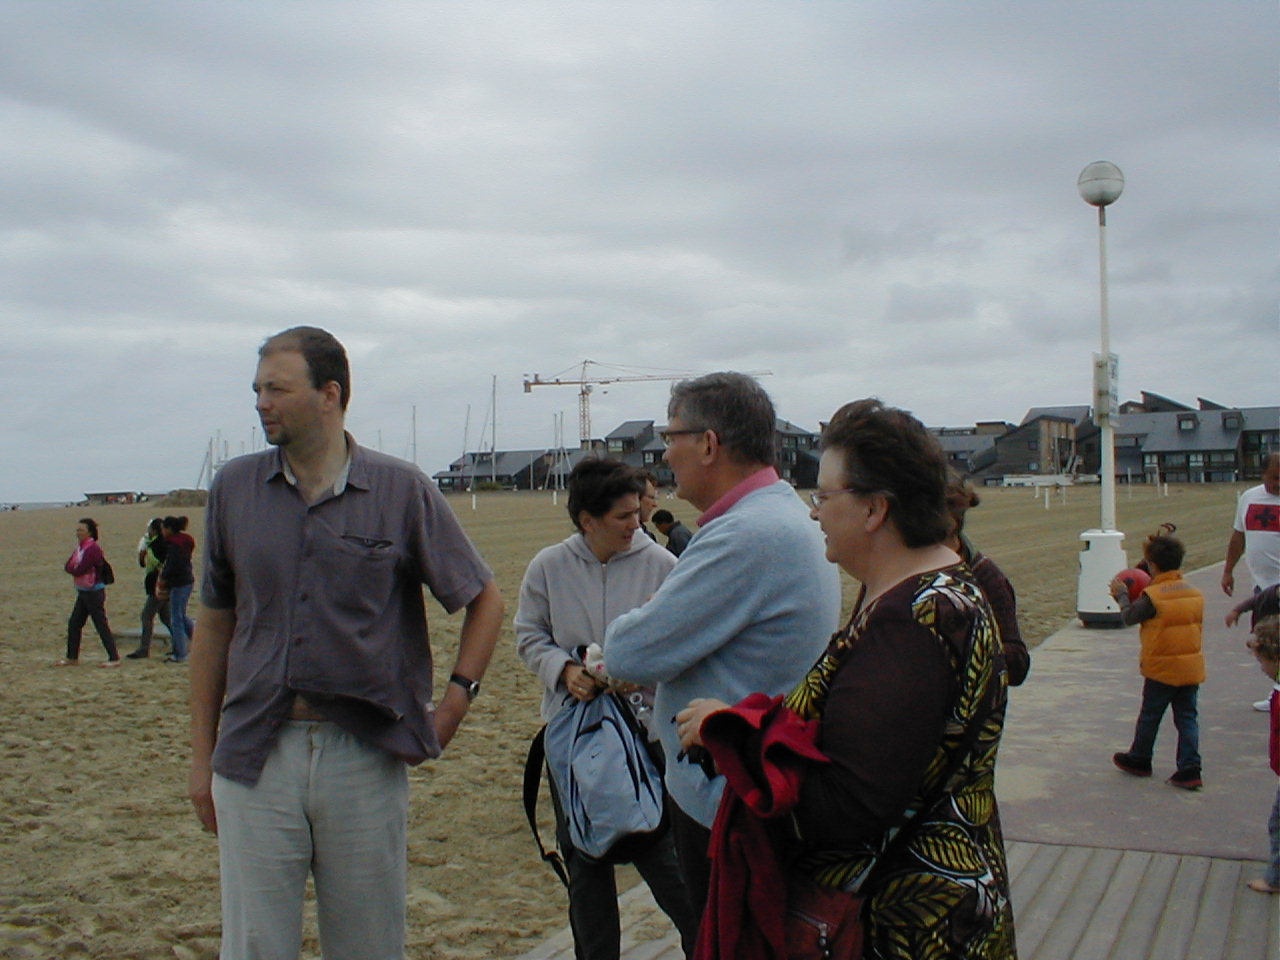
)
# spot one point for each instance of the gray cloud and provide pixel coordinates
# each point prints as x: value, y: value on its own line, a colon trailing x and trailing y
x: 871, y: 198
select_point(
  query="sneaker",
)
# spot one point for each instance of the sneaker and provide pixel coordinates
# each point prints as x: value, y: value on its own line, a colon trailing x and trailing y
x: 1262, y: 706
x: 1132, y: 765
x: 138, y: 655
x: 1188, y: 779
x: 175, y: 659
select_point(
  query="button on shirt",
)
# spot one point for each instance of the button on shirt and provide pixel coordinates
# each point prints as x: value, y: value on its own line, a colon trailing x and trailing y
x: 328, y: 601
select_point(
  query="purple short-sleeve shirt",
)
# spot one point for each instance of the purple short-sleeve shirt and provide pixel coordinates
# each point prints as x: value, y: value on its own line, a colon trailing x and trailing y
x: 328, y: 602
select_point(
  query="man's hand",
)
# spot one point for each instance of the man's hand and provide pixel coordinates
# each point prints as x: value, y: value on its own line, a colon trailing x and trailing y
x: 476, y: 640
x: 1235, y: 550
x: 449, y: 713
x: 1118, y: 589
x: 208, y: 685
x: 200, y: 789
x: 1232, y: 618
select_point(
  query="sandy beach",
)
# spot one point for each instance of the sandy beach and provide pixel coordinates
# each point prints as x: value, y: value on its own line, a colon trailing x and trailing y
x: 103, y: 858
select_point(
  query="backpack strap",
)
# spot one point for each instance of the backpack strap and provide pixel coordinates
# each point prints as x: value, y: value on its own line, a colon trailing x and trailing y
x: 534, y: 764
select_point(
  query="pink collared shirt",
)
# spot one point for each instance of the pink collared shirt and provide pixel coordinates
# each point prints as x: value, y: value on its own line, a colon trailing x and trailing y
x: 757, y: 481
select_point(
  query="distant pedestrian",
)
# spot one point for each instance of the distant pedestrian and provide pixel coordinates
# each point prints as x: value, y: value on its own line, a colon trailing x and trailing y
x: 151, y: 551
x: 1266, y: 647
x: 1171, y: 612
x: 85, y: 565
x: 677, y: 534
x: 648, y: 501
x: 995, y: 585
x: 176, y: 580
x: 1255, y: 535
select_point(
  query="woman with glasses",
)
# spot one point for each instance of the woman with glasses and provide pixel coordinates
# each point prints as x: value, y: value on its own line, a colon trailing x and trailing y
x: 571, y: 592
x: 878, y: 777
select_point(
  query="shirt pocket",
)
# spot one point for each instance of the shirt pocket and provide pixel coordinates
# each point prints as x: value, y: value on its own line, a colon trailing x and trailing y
x: 361, y: 574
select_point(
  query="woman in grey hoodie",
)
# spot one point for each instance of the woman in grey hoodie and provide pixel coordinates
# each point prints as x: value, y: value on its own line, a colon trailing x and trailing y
x: 571, y: 592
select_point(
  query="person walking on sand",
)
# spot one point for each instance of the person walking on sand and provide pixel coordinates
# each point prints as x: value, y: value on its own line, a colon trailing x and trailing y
x: 151, y: 549
x: 85, y: 567
x: 176, y: 581
x: 311, y: 668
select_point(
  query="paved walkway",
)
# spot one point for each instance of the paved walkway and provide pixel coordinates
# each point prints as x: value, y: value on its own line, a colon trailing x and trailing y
x: 1105, y: 865
x: 1055, y: 780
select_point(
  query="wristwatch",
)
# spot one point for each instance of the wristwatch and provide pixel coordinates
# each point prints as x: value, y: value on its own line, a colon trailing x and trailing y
x: 471, y: 686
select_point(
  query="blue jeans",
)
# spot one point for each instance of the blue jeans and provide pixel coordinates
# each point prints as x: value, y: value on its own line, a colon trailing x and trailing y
x: 1156, y: 698
x: 180, y: 625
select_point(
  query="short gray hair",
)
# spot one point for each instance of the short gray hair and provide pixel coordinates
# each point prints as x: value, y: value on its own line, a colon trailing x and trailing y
x: 735, y: 407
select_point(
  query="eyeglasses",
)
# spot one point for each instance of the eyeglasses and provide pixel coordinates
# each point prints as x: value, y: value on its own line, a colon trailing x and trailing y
x: 666, y: 435
x: 818, y: 496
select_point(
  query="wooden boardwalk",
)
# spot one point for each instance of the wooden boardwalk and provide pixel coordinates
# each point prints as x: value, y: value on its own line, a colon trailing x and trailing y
x: 1070, y: 903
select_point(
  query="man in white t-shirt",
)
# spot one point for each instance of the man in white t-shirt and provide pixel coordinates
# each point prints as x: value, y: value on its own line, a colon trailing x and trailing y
x: 1255, y: 535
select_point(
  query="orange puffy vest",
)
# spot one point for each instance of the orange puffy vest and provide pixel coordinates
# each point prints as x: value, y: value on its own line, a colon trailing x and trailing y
x: 1171, y: 639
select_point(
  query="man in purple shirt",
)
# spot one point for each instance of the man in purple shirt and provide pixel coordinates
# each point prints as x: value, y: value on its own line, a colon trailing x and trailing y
x: 311, y: 670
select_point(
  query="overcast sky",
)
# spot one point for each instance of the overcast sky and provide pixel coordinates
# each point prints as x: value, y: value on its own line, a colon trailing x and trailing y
x: 863, y: 198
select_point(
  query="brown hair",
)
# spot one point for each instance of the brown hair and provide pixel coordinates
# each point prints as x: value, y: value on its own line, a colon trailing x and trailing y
x: 889, y: 452
x: 596, y: 485
x: 960, y: 497
x: 1266, y: 639
x: 326, y: 359
x: 1165, y: 552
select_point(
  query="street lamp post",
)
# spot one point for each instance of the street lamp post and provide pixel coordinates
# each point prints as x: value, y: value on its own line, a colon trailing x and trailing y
x: 1100, y: 185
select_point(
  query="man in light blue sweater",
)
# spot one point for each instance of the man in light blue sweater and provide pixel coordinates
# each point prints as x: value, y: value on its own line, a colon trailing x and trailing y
x: 750, y: 605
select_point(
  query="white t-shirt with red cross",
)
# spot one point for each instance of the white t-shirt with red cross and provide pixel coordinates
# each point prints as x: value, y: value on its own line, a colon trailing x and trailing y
x: 1258, y: 518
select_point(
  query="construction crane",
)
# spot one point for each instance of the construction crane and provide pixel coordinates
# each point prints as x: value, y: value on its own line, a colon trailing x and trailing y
x: 586, y: 383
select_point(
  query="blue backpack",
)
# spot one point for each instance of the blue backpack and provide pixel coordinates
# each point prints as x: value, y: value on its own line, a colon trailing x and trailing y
x: 607, y: 776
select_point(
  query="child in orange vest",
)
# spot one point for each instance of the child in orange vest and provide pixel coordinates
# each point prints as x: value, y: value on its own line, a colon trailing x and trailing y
x: 1171, y: 612
x: 1266, y: 647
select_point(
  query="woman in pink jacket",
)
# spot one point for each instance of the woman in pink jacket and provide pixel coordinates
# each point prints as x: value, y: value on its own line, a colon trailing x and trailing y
x: 85, y: 567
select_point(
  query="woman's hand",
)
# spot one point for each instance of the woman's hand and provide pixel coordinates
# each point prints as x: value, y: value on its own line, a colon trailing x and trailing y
x: 689, y: 720
x: 579, y: 683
